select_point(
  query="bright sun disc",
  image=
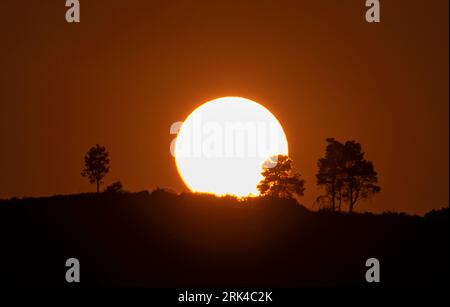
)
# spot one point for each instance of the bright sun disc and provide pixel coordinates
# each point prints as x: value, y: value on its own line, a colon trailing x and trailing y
x: 221, y: 146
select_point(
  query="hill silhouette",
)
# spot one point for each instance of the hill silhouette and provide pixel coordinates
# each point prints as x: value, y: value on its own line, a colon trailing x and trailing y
x: 164, y: 239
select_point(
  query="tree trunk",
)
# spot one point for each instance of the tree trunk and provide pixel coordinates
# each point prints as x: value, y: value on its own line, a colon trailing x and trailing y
x: 350, y: 199
x: 333, y: 198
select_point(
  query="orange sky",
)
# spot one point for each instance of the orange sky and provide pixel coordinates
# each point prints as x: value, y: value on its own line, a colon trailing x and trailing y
x: 131, y: 68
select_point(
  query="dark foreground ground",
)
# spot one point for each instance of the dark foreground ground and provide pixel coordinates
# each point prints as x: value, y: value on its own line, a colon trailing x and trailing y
x: 162, y: 239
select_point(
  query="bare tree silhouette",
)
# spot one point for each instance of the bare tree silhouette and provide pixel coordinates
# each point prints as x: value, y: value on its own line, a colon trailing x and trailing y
x: 280, y: 179
x: 96, y: 165
x: 345, y: 175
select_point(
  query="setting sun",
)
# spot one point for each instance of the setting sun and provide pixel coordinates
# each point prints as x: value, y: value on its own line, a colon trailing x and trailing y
x: 222, y: 145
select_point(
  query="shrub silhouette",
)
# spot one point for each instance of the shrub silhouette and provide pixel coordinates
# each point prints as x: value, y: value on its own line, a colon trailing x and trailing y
x: 115, y: 187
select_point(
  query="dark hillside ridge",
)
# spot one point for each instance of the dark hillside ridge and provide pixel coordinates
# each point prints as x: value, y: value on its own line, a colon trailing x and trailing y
x: 164, y: 239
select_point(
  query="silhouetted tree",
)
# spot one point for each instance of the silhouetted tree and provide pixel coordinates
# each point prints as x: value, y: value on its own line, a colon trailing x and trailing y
x: 115, y: 187
x: 279, y: 178
x: 330, y: 174
x: 345, y: 174
x: 96, y: 165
